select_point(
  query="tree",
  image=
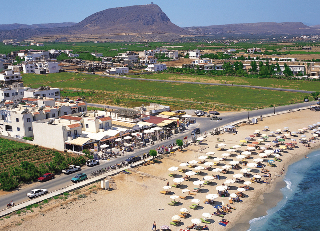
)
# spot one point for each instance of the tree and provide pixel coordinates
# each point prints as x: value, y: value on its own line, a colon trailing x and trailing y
x: 153, y: 153
x: 315, y: 95
x: 179, y: 143
x: 287, y: 71
x: 228, y: 67
x: 254, y: 66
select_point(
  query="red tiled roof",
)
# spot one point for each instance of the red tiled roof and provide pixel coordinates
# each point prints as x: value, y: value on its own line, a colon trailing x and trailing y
x: 36, y: 113
x: 9, y: 102
x: 155, y: 119
x: 82, y: 104
x: 105, y: 118
x: 29, y: 99
x: 74, y: 125
x: 47, y: 110
x: 71, y: 118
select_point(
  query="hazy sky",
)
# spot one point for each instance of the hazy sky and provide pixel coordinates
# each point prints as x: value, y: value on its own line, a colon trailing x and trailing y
x: 181, y: 12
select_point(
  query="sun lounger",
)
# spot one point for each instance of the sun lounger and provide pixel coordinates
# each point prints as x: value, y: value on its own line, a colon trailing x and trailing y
x: 193, y: 206
x: 193, y: 194
x: 205, y: 221
x: 183, y: 197
x: 174, y: 223
x: 230, y: 201
x: 164, y: 192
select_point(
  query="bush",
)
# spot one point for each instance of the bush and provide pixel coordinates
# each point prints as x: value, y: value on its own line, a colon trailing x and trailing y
x: 8, y: 182
x: 153, y: 153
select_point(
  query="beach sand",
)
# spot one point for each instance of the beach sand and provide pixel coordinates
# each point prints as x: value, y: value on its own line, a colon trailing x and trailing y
x: 135, y: 202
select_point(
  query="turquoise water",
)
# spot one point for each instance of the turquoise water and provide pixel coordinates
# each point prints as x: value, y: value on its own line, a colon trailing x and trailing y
x: 300, y: 207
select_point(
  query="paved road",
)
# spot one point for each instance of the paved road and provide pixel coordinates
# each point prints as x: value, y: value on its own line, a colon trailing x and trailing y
x: 203, y: 123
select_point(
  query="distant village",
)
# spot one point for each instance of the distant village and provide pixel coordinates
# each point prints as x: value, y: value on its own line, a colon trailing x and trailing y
x: 131, y: 62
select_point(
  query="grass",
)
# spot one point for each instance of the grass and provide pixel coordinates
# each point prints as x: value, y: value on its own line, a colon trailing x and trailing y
x: 264, y: 82
x: 132, y: 93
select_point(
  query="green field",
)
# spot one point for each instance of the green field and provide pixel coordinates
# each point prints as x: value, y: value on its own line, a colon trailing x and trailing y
x: 264, y: 82
x: 131, y: 93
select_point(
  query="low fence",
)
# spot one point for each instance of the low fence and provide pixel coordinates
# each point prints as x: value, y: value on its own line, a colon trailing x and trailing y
x: 69, y: 188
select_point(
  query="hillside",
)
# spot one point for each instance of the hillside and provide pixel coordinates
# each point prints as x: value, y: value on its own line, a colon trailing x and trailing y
x: 262, y: 28
x: 144, y: 21
x: 134, y: 19
x: 34, y: 26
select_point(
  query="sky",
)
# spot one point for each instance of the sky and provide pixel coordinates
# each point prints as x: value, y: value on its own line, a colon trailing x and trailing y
x: 183, y: 13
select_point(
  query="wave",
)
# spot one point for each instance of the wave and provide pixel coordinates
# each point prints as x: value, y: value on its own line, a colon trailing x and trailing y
x: 289, y: 184
x: 257, y: 219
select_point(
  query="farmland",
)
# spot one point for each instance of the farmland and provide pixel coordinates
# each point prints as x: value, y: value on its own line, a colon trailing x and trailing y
x: 23, y: 163
x: 129, y: 93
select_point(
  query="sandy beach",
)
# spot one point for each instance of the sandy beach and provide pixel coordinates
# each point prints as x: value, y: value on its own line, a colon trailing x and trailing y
x: 135, y: 201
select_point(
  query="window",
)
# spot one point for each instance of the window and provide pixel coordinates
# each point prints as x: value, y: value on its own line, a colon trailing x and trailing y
x: 87, y: 125
x: 12, y: 94
x: 21, y: 93
x: 18, y: 129
x: 53, y: 115
x: 29, y: 129
x: 65, y: 113
x: 75, y: 132
x: 16, y: 93
x: 28, y: 120
x: 17, y: 119
x: 69, y: 133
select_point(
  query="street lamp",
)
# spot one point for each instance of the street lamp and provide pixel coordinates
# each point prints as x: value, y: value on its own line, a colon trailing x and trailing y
x: 248, y: 115
x: 274, y: 109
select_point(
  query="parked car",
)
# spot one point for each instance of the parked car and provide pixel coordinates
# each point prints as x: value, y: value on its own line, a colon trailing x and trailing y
x: 37, y: 192
x: 214, y: 113
x: 79, y: 177
x: 180, y: 113
x: 199, y: 112
x: 215, y: 118
x: 195, y: 131
x: 71, y: 169
x: 91, y: 163
x: 133, y: 159
x: 45, y: 177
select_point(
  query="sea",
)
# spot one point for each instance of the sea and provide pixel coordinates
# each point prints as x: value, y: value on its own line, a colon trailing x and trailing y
x: 300, y: 207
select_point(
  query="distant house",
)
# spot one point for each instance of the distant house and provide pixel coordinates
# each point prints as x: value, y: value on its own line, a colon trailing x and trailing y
x: 118, y: 70
x: 194, y: 54
x: 9, y: 76
x: 41, y: 67
x: 156, y: 67
x: 148, y: 60
x: 253, y: 50
x: 97, y: 55
x: 128, y: 56
x: 172, y: 54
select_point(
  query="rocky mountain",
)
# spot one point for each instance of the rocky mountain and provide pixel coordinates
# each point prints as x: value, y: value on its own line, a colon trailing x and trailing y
x: 131, y: 19
x: 139, y: 19
x: 262, y: 28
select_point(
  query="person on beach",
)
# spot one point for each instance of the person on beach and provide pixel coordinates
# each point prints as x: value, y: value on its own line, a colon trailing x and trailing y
x: 154, y: 226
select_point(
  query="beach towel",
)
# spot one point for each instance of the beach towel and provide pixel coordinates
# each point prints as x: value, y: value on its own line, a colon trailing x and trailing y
x: 223, y: 223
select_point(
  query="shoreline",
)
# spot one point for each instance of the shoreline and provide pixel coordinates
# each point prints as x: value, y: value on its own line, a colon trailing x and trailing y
x: 269, y: 199
x: 136, y: 197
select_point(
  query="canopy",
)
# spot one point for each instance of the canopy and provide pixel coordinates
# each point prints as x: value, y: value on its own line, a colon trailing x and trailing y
x: 80, y: 141
x: 172, y: 169
x: 196, y: 221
